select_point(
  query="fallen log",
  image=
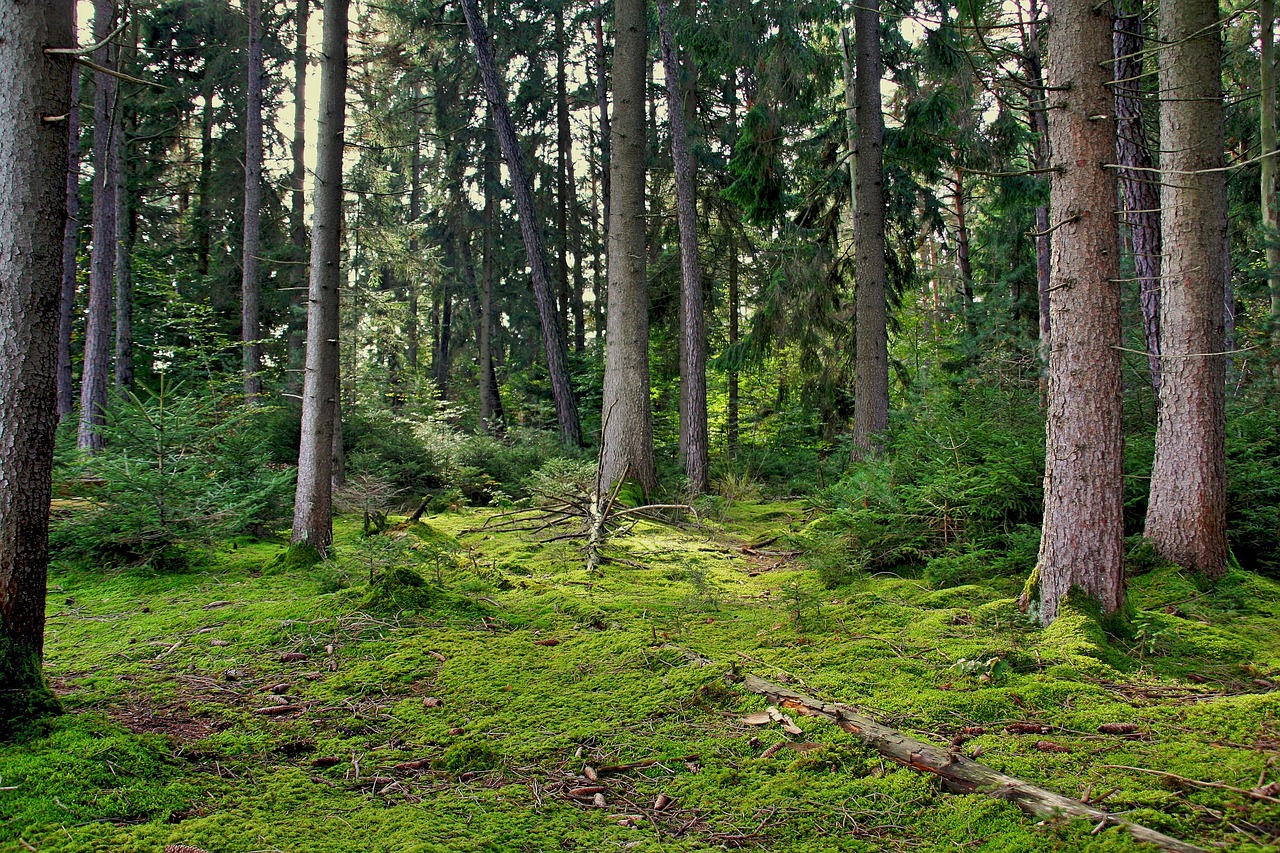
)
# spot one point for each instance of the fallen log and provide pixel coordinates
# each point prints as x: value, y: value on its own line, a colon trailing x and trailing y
x: 958, y: 773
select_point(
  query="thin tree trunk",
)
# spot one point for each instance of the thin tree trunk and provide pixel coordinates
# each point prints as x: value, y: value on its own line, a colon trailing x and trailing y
x: 1186, y: 515
x: 205, y: 180
x: 563, y: 155
x: 1138, y: 183
x: 552, y: 334
x: 693, y: 364
x: 627, y: 451
x: 1082, y: 543
x: 1040, y: 130
x: 602, y: 114
x: 962, y: 254
x: 97, y: 339
x: 850, y: 122
x: 735, y: 298
x: 33, y: 216
x: 871, y: 372
x: 313, y: 501
x: 123, y: 265
x: 485, y: 367
x: 250, y: 285
x: 297, y: 208
x: 415, y: 212
x: 70, y: 246
x: 1270, y: 207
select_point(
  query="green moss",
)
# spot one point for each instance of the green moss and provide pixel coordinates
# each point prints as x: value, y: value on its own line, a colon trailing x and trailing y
x: 25, y: 699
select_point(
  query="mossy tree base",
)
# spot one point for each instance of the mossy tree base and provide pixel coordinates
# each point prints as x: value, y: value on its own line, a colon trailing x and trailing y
x: 25, y: 698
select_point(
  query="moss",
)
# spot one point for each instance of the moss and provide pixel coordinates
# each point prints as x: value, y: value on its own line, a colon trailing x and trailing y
x: 297, y: 557
x: 401, y: 589
x: 25, y: 698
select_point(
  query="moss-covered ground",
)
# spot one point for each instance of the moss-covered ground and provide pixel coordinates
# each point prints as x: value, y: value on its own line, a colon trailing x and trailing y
x: 255, y: 703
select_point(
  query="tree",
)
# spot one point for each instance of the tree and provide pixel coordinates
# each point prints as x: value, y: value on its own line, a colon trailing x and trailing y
x: 70, y: 245
x: 250, y: 286
x: 1186, y: 514
x: 313, y: 501
x: 122, y: 244
x: 627, y: 451
x: 297, y: 198
x: 34, y: 117
x: 1082, y: 541
x: 871, y: 381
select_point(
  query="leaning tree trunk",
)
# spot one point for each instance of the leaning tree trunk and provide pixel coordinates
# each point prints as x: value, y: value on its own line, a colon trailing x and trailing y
x: 627, y: 442
x: 313, y: 500
x: 1082, y: 541
x: 553, y: 340
x: 871, y: 370
x: 1186, y: 515
x: 297, y: 207
x: 34, y: 107
x: 250, y: 285
x: 97, y: 336
x: 70, y: 245
x: 1138, y: 181
x: 693, y: 334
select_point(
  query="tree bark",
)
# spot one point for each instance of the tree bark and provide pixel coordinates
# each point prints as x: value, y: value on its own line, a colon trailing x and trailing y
x: 962, y: 253
x: 415, y: 212
x: 1186, y: 515
x: 488, y: 423
x: 871, y: 371
x: 1270, y: 207
x: 313, y: 501
x: 123, y: 264
x: 97, y: 338
x: 564, y: 142
x: 297, y: 207
x: 1082, y: 540
x: 70, y: 247
x: 1040, y: 160
x: 1138, y: 183
x: 693, y: 364
x: 553, y: 338
x: 204, y: 184
x: 627, y: 448
x: 34, y: 107
x: 250, y: 284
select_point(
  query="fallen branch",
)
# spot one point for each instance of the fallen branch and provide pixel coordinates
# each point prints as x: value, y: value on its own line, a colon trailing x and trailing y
x: 958, y: 773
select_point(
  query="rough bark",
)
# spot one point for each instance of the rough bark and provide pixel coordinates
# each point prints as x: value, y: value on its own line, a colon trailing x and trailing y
x: 871, y: 370
x: 70, y: 246
x: 1082, y: 540
x: 97, y: 338
x: 553, y: 338
x: 297, y: 207
x: 627, y: 443
x: 959, y: 774
x: 250, y: 284
x: 1186, y: 515
x: 313, y: 500
x: 693, y: 333
x: 1138, y: 183
x: 34, y: 106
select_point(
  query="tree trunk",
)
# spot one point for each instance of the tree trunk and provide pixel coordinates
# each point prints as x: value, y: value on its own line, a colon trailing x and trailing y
x: 250, y: 284
x: 205, y: 180
x: 122, y: 244
x: 871, y: 371
x: 627, y: 451
x: 563, y: 155
x: 1082, y: 541
x: 693, y: 337
x: 552, y: 334
x: 848, y: 66
x: 1138, y: 183
x: 297, y: 208
x: 1186, y: 515
x: 735, y: 297
x: 412, y: 332
x: 1040, y: 160
x: 962, y: 254
x: 313, y: 501
x: 485, y: 367
x: 34, y: 105
x: 602, y: 115
x: 70, y: 246
x: 97, y: 337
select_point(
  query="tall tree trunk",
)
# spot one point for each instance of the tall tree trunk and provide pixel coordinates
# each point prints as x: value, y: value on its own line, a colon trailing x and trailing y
x: 1040, y: 160
x: 627, y: 451
x: 871, y: 371
x: 552, y: 334
x: 1138, y: 183
x: 97, y: 338
x: 313, y: 501
x: 962, y: 253
x: 34, y: 107
x: 250, y: 284
x: 415, y: 212
x: 1082, y: 543
x: 693, y: 337
x: 1186, y: 516
x: 1270, y: 205
x: 297, y: 207
x: 70, y: 246
x: 205, y: 180
x: 563, y: 154
x: 602, y: 116
x: 485, y: 367
x: 735, y: 299
x: 848, y: 63
x: 123, y: 266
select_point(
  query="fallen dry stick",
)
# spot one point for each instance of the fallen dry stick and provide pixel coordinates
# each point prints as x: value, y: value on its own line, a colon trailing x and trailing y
x: 958, y: 773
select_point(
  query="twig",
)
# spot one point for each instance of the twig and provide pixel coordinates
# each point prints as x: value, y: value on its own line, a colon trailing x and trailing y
x: 1198, y: 783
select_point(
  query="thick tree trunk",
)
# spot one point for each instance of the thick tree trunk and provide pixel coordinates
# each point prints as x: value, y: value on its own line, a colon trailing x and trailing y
x: 250, y: 284
x: 693, y: 333
x: 871, y: 371
x: 34, y: 107
x: 70, y: 246
x: 1082, y: 541
x: 313, y: 501
x: 627, y: 451
x: 123, y: 265
x: 553, y: 338
x: 1138, y: 183
x: 1186, y: 515
x: 97, y: 338
x: 297, y: 208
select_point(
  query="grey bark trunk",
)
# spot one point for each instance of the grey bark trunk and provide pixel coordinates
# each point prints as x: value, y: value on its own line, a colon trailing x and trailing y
x: 34, y: 103
x: 313, y: 501
x: 627, y: 451
x: 70, y: 246
x: 250, y: 284
x: 1186, y: 515
x: 1082, y: 541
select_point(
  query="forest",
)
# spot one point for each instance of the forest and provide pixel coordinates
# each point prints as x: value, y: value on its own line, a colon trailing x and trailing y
x: 445, y: 425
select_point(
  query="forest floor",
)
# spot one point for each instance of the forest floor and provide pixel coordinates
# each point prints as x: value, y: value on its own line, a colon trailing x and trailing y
x: 249, y: 705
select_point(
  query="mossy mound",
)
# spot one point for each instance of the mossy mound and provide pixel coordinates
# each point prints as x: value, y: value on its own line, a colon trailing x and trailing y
x: 402, y: 590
